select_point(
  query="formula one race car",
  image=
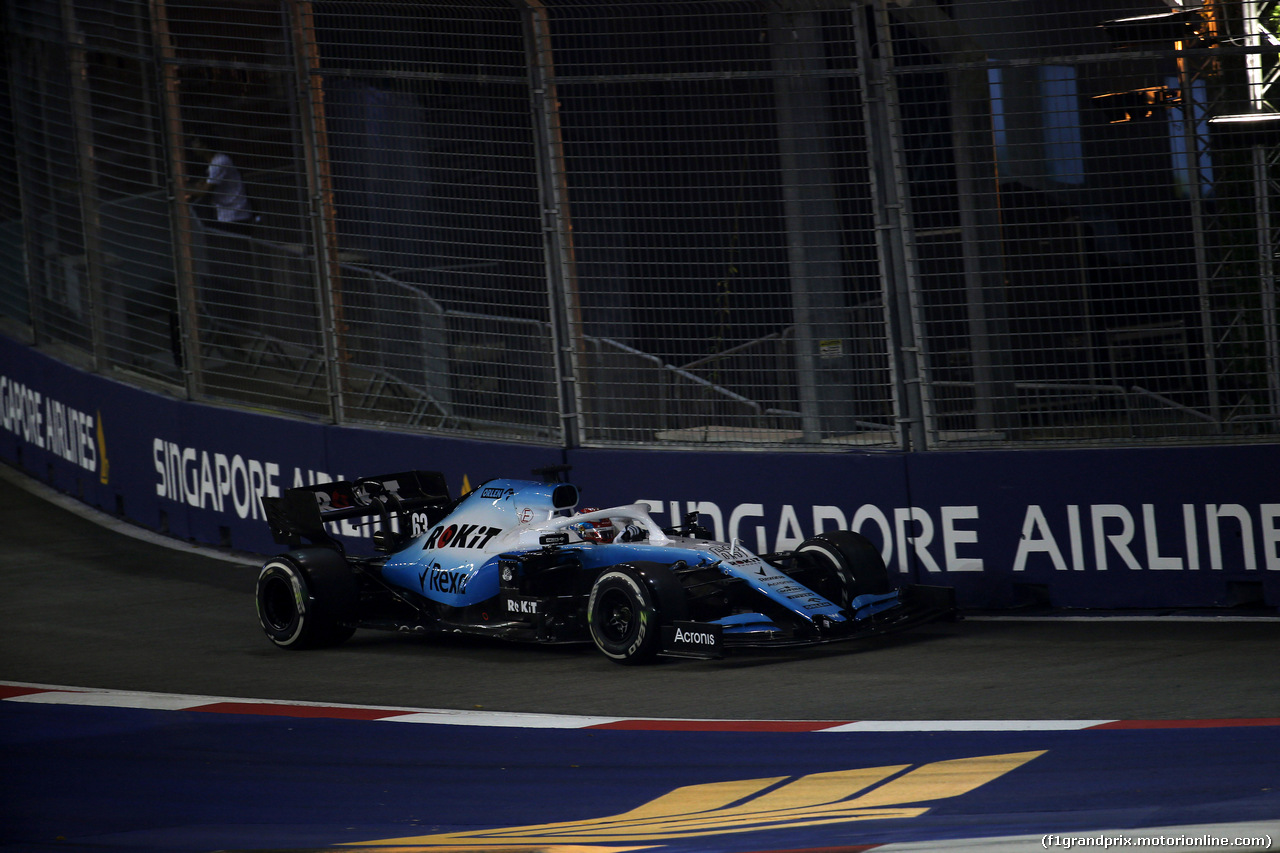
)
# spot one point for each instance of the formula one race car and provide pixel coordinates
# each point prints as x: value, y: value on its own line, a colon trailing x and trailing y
x: 515, y: 559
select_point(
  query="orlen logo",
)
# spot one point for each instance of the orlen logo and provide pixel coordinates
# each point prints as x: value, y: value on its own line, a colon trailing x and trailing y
x: 494, y: 493
x: 460, y: 536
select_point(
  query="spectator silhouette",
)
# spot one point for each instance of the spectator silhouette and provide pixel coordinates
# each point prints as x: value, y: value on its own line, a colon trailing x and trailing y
x: 225, y: 188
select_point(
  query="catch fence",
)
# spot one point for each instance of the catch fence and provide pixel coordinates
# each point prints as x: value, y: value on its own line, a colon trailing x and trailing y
x: 915, y: 225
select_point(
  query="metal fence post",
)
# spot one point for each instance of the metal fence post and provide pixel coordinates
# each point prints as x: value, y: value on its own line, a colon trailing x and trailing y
x: 1264, y: 87
x: 320, y: 196
x: 894, y: 241
x: 812, y: 223
x: 187, y: 321
x: 91, y: 220
x: 557, y: 233
x: 1265, y: 188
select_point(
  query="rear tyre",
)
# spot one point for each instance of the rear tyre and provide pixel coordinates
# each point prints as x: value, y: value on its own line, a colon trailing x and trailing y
x: 622, y: 615
x: 306, y: 603
x: 848, y: 565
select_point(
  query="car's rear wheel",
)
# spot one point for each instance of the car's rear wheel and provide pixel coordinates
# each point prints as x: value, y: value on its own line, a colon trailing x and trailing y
x: 622, y: 615
x: 846, y: 565
x: 306, y: 604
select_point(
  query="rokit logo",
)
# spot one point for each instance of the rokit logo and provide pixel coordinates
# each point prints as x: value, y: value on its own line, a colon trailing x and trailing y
x: 459, y: 535
x: 522, y: 606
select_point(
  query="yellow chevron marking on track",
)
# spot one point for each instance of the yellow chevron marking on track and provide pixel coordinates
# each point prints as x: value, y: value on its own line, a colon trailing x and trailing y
x: 747, y: 805
x: 943, y: 779
x: 698, y: 798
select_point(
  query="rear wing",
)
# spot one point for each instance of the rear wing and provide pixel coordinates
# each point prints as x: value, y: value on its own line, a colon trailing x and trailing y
x: 302, y: 513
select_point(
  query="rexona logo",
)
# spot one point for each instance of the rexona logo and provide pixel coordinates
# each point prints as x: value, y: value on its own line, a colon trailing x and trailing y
x: 751, y: 805
x: 434, y: 578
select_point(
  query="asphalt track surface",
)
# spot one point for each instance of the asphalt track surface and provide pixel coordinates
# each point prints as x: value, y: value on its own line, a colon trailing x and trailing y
x: 85, y: 605
x: 1165, y: 729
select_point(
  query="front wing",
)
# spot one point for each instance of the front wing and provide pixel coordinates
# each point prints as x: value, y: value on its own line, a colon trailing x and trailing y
x: 917, y: 604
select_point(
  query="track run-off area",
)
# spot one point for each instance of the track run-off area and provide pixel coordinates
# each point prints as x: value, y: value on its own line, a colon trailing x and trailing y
x: 112, y: 770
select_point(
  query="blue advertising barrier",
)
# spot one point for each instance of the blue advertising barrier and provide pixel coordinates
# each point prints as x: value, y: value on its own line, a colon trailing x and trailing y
x: 1113, y: 528
x: 1153, y: 527
x: 197, y: 472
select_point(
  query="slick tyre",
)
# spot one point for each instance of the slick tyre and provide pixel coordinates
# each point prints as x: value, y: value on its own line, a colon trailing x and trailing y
x: 306, y: 603
x: 622, y: 615
x: 849, y: 565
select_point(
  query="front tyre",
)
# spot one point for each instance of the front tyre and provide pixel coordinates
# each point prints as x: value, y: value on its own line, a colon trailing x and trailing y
x: 306, y: 603
x: 848, y: 565
x: 622, y: 616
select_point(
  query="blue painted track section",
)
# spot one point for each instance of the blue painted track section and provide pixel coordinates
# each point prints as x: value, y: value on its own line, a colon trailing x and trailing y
x: 77, y: 778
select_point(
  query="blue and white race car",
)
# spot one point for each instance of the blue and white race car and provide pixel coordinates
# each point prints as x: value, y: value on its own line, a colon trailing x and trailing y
x: 518, y: 559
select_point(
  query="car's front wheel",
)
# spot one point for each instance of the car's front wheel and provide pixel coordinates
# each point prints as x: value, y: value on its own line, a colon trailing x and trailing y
x: 306, y: 604
x: 846, y: 565
x: 622, y: 616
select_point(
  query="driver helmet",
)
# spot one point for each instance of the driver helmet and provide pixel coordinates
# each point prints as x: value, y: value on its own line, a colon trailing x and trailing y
x: 601, y: 530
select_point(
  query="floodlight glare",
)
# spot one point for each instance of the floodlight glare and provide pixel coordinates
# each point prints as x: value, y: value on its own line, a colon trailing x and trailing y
x: 1259, y: 127
x: 1248, y: 120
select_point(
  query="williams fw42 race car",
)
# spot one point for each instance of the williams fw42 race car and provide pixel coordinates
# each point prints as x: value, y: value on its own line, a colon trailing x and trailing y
x: 518, y: 560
